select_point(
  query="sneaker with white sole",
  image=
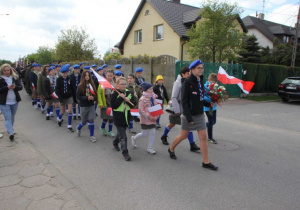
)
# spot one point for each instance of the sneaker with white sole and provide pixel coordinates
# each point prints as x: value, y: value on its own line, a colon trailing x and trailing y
x: 93, y: 139
x: 151, y: 151
x: 103, y: 131
x: 78, y: 132
x: 133, y: 142
x: 70, y: 129
x: 111, y: 134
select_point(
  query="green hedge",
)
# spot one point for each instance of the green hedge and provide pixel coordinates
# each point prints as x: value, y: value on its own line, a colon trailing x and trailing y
x: 277, y: 75
x: 261, y: 82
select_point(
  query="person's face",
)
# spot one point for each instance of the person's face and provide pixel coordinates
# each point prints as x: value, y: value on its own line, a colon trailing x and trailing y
x: 185, y: 75
x: 58, y: 69
x: 46, y: 69
x: 109, y: 76
x: 160, y: 81
x: 65, y: 74
x: 87, y: 76
x: 117, y: 76
x: 130, y: 80
x: 212, y: 81
x: 198, y: 70
x: 138, y: 74
x: 82, y: 66
x: 75, y: 71
x: 100, y: 72
x: 122, y: 84
x: 38, y: 68
x: 150, y: 90
x: 52, y: 72
x: 6, y: 71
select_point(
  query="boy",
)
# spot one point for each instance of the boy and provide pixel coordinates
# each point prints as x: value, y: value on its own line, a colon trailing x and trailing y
x: 139, y: 79
x: 75, y: 80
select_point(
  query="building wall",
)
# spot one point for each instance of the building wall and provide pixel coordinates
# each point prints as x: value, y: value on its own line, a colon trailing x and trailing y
x: 169, y: 45
x: 261, y: 39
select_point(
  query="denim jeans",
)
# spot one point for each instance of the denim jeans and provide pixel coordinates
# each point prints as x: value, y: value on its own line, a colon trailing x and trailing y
x: 9, y: 112
x: 121, y: 138
x: 212, y: 119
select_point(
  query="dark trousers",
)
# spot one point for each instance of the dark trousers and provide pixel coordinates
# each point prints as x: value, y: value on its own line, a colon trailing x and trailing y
x: 121, y: 138
x: 212, y: 119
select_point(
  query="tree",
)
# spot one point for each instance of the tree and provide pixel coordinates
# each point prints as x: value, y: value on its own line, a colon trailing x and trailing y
x: 112, y: 55
x: 5, y: 61
x: 75, y: 44
x: 265, y: 55
x: 44, y: 55
x: 216, y: 36
x: 282, y: 54
x: 250, y: 50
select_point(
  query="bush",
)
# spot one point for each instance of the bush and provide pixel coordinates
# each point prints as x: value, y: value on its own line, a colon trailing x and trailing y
x: 261, y: 79
x: 277, y: 75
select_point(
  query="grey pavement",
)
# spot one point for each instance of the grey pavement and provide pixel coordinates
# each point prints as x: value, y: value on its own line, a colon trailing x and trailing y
x: 258, y: 158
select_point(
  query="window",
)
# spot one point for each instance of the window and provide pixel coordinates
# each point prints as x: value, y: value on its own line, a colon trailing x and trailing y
x: 159, y: 32
x: 138, y: 36
x: 147, y: 12
x: 286, y: 39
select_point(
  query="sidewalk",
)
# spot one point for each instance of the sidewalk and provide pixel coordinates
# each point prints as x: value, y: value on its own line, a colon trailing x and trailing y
x: 28, y: 181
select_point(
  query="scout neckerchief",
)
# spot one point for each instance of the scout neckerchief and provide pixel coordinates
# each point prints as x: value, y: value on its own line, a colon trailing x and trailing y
x: 87, y: 90
x: 65, y: 84
x: 134, y: 92
x: 77, y: 79
x: 200, y: 89
x: 53, y: 82
x: 161, y: 90
x: 140, y: 80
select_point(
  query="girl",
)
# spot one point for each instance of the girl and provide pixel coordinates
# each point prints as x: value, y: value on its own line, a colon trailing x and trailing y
x: 40, y: 85
x: 147, y: 121
x: 86, y: 98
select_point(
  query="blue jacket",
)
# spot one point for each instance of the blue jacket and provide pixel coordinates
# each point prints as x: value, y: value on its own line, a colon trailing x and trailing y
x: 207, y: 97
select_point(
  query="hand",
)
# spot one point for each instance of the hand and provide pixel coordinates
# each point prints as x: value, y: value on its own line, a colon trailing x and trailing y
x: 91, y: 98
x: 212, y: 104
x: 101, y: 106
x: 191, y: 123
x: 177, y: 114
x: 122, y: 95
x: 126, y: 99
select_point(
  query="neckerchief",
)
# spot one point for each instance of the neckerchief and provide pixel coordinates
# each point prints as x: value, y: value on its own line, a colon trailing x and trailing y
x: 161, y: 90
x: 65, y: 85
x: 200, y: 89
x: 87, y: 90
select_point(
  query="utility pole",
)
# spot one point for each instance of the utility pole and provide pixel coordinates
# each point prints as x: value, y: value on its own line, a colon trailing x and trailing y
x: 295, y: 40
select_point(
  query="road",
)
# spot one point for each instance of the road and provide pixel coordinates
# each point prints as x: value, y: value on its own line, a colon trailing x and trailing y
x: 263, y: 173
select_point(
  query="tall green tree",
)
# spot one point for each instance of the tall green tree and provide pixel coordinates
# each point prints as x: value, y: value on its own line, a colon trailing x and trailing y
x: 282, y: 54
x: 216, y: 36
x: 5, y: 61
x: 250, y: 50
x: 44, y: 55
x: 75, y: 44
x: 112, y: 55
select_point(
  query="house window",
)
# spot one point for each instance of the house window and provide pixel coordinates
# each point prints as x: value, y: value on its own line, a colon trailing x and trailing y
x: 147, y: 12
x: 159, y: 32
x: 286, y: 39
x: 138, y: 36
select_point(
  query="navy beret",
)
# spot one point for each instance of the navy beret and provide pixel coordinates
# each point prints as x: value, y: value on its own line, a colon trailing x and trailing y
x: 82, y: 63
x: 76, y: 66
x: 146, y: 85
x: 94, y: 65
x: 51, y: 64
x: 58, y: 65
x: 104, y: 66
x: 139, y: 69
x: 51, y: 68
x: 65, y: 68
x: 118, y: 73
x: 118, y: 66
x: 34, y: 65
x: 86, y: 67
x: 194, y: 64
x: 100, y: 68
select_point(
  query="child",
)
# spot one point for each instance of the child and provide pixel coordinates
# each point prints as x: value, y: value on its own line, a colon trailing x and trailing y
x: 212, y: 118
x: 161, y: 92
x: 64, y: 92
x: 86, y: 98
x: 139, y: 79
x: 33, y: 77
x: 40, y: 85
x: 137, y: 94
x: 104, y: 96
x: 147, y: 121
x: 75, y: 80
x: 121, y: 104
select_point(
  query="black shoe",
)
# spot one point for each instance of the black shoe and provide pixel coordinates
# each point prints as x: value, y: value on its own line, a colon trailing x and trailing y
x: 194, y: 147
x: 158, y: 126
x: 172, y: 154
x: 32, y: 103
x: 59, y: 123
x: 164, y: 140
x: 70, y: 130
x: 47, y: 117
x: 39, y: 105
x: 211, y: 140
x: 210, y: 166
x: 74, y: 118
x: 116, y: 146
x: 79, y: 117
x: 11, y: 137
x: 126, y: 156
x: 136, y: 119
x: 96, y: 114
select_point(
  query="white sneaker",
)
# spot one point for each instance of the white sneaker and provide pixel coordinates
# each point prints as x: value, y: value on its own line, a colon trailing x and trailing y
x: 93, y: 139
x: 151, y: 151
x: 133, y: 142
x: 35, y: 106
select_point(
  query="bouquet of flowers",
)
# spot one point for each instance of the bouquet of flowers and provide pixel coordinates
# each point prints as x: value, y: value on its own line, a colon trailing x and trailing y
x: 217, y: 94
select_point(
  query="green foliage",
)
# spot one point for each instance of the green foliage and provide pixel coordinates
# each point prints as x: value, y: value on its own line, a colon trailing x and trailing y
x: 277, y: 74
x: 32, y: 57
x: 5, y: 61
x: 75, y: 44
x: 265, y: 55
x: 250, y: 50
x: 282, y: 54
x: 112, y: 55
x: 251, y: 73
x: 216, y: 38
x: 261, y: 82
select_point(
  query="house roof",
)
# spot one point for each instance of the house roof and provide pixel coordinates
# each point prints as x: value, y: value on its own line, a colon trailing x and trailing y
x: 268, y: 28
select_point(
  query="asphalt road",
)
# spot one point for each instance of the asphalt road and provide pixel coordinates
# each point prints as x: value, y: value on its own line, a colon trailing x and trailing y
x: 263, y: 173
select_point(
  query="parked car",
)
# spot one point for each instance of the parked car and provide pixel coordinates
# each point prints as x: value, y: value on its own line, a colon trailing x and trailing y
x: 289, y: 89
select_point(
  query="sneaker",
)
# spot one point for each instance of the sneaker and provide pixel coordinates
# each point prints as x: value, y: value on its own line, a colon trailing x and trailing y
x: 151, y: 151
x: 172, y: 154
x: 194, y: 147
x: 126, y: 157
x: 116, y: 146
x: 47, y: 117
x: 158, y: 125
x: 74, y: 118
x: 209, y: 166
x: 70, y: 130
x: 131, y: 131
x: 35, y: 106
x: 51, y: 114
x: 111, y: 134
x: 137, y: 119
x: 11, y: 137
x: 32, y: 103
x: 211, y: 140
x: 93, y: 139
x: 59, y: 123
x: 39, y: 105
x: 103, y: 131
x: 43, y: 111
x: 133, y: 142
x: 164, y: 140
x: 79, y: 117
x: 78, y: 132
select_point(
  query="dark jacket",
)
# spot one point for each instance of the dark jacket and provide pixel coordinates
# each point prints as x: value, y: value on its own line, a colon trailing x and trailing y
x: 47, y: 89
x: 136, y: 92
x: 121, y: 118
x: 75, y: 84
x: 158, y: 93
x: 190, y: 97
x: 82, y: 99
x: 40, y: 84
x: 59, y: 88
x: 137, y: 81
x: 33, y: 78
x: 4, y: 90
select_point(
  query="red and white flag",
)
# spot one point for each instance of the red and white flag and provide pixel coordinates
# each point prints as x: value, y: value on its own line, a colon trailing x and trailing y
x: 32, y: 85
x: 92, y: 89
x: 224, y: 78
x: 104, y: 82
x: 109, y: 111
x: 134, y: 112
x: 156, y: 110
x: 159, y: 102
x: 54, y: 95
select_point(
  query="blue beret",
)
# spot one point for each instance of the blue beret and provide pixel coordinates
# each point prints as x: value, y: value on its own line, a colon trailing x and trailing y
x: 51, y: 68
x: 104, y: 66
x: 145, y: 86
x: 118, y: 73
x: 58, y: 65
x: 65, y: 68
x: 118, y: 66
x: 86, y: 67
x: 82, y: 63
x: 94, y: 65
x: 51, y: 64
x: 34, y: 65
x: 76, y: 66
x: 139, y: 69
x: 100, y: 68
x: 194, y: 64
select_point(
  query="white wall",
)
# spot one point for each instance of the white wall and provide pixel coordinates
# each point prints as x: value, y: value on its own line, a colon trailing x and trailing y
x: 261, y: 39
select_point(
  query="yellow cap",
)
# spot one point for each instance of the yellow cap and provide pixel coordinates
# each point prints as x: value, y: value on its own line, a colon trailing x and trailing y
x: 159, y: 77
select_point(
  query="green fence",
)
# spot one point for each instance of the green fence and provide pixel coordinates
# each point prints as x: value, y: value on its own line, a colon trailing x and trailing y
x: 231, y: 69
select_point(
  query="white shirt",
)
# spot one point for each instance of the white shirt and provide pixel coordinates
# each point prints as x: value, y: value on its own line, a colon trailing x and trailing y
x: 11, y: 96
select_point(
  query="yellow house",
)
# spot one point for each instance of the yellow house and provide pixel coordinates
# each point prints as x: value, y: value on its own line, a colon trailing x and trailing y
x: 159, y: 27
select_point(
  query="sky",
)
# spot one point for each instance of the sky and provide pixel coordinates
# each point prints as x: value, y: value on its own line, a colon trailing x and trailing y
x: 34, y: 23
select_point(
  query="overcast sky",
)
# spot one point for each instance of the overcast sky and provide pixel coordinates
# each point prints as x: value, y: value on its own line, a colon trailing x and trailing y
x: 34, y: 23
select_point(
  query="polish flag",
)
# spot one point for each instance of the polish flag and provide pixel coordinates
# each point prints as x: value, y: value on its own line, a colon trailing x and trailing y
x: 224, y: 78
x: 91, y: 89
x: 33, y: 85
x: 156, y: 110
x: 109, y: 111
x: 103, y: 82
x: 159, y: 102
x: 54, y: 95
x: 134, y: 112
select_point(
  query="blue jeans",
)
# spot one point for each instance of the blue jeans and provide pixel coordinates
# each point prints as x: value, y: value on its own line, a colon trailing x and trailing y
x: 9, y: 112
x: 212, y: 119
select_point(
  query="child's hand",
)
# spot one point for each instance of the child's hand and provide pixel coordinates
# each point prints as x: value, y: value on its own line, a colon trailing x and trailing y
x: 126, y: 99
x: 91, y: 98
x: 122, y: 95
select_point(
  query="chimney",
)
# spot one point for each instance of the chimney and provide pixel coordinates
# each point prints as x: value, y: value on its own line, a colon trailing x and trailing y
x: 261, y: 16
x: 175, y: 1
